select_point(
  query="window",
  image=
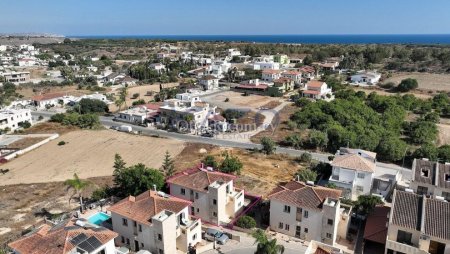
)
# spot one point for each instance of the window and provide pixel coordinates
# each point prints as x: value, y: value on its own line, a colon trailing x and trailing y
x: 214, y: 214
x: 328, y: 235
x: 447, y: 177
x: 305, y: 214
x: 192, y: 210
x: 102, y: 252
x: 192, y: 192
x: 286, y: 227
x: 128, y: 241
x: 227, y: 189
x: 330, y: 222
x: 214, y: 202
x: 134, y: 224
x: 159, y: 237
x: 196, y: 195
x: 280, y: 225
x: 424, y: 172
x: 306, y: 230
x: 161, y: 251
x: 140, y: 228
x: 122, y: 239
x: 194, y: 237
x: 359, y: 188
x: 361, y: 175
x: 125, y: 222
x: 287, y: 209
x: 404, y: 237
x: 198, y: 210
x: 142, y: 245
x: 183, y: 191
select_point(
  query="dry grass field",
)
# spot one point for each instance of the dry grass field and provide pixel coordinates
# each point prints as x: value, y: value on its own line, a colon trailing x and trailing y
x: 235, y: 98
x: 427, y: 81
x: 28, y: 92
x: 87, y: 153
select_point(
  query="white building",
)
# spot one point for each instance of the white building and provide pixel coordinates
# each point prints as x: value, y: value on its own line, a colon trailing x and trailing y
x: 353, y: 171
x: 366, y: 78
x: 67, y: 237
x: 308, y: 212
x: 317, y: 90
x: 233, y: 52
x: 158, y: 67
x: 266, y: 65
x: 209, y: 82
x: 296, y: 76
x: 12, y: 118
x: 3, y: 48
x: 215, y: 199
x: 269, y: 75
x: 47, y: 100
x: 219, y: 68
x: 17, y: 77
x: 26, y: 47
x: 418, y: 225
x: 315, y: 247
x: 431, y: 178
x: 26, y: 62
x: 188, y: 113
x: 156, y: 222
x: 142, y: 114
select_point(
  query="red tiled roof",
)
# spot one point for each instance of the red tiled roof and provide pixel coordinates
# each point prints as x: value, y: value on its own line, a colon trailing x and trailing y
x: 302, y: 195
x: 270, y: 71
x: 315, y: 84
x: 48, y: 96
x: 199, y: 179
x: 291, y: 73
x: 376, y: 225
x: 282, y: 80
x: 146, y: 205
x: 56, y: 239
x: 217, y: 118
x: 151, y: 106
x: 354, y: 162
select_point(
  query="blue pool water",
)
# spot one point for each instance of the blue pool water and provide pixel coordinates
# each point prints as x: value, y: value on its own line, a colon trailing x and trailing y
x: 98, y: 218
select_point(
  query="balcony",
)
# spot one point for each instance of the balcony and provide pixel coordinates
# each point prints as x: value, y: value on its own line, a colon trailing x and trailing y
x: 404, y: 248
x: 234, y: 195
x: 187, y: 226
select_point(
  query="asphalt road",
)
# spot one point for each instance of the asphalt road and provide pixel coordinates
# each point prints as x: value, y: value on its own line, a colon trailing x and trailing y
x: 107, y: 122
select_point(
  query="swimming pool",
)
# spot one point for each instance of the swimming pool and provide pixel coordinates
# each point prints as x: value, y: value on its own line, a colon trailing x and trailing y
x: 98, y: 218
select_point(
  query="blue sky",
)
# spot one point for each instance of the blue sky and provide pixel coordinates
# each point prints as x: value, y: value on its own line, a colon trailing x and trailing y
x: 198, y: 17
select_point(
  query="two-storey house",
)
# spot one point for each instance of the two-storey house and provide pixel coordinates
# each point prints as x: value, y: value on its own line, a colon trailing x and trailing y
x: 156, y: 222
x: 270, y: 75
x: 214, y: 197
x: 418, y: 225
x: 308, y: 212
x: 353, y: 172
x: 431, y: 178
x: 317, y: 90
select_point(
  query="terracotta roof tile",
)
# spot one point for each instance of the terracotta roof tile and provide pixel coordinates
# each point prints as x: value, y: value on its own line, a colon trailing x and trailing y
x: 199, y: 179
x: 354, y: 162
x: 57, y: 239
x: 146, y: 205
x: 315, y: 84
x: 303, y: 195
x: 376, y: 225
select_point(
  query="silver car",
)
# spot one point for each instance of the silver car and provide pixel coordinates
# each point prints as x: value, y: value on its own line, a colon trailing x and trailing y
x: 214, y: 234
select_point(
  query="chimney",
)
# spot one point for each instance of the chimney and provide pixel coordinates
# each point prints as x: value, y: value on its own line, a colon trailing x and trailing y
x: 154, y: 187
x: 297, y: 178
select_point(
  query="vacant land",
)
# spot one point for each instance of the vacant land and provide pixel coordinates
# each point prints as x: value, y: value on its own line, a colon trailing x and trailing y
x: 444, y: 134
x: 237, y: 99
x: 260, y: 173
x: 87, y: 153
x: 427, y: 81
x: 146, y: 93
x: 29, y: 92
x: 49, y: 128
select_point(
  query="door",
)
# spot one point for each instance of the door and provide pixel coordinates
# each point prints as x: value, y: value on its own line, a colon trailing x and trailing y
x: 136, y: 246
x: 298, y: 229
x: 436, y: 248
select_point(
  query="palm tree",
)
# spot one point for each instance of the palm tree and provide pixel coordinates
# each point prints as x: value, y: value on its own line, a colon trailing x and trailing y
x: 78, y: 185
x: 266, y: 245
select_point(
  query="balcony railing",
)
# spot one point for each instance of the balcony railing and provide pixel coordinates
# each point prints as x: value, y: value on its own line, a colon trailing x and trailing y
x: 404, y: 248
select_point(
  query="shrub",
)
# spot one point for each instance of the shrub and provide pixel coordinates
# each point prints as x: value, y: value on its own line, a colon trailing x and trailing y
x: 61, y: 143
x: 246, y: 222
x: 305, y: 157
x: 227, y: 99
x: 100, y: 193
x: 407, y: 85
x: 268, y: 145
x: 135, y: 95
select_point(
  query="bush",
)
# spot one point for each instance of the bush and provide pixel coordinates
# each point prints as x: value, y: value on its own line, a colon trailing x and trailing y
x: 306, y: 175
x: 305, y: 157
x: 407, y: 85
x: 101, y: 193
x: 246, y: 222
x: 210, y: 161
x: 227, y: 99
x: 135, y: 95
x: 231, y: 164
x: 268, y: 145
x: 61, y: 143
x: 88, y: 106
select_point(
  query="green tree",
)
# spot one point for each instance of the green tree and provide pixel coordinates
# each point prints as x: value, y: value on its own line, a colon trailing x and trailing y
x: 391, y: 148
x: 366, y: 203
x: 266, y: 245
x: 231, y: 164
x: 246, y: 222
x: 137, y: 179
x: 444, y: 153
x: 268, y: 145
x: 294, y: 141
x: 407, y: 85
x: 317, y: 139
x: 88, y: 106
x: 210, y: 161
x: 78, y: 185
x: 305, y: 175
x: 427, y: 150
x: 423, y: 132
x: 168, y: 166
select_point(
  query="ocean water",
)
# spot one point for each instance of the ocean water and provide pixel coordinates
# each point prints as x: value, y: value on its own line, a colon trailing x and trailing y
x: 305, y: 39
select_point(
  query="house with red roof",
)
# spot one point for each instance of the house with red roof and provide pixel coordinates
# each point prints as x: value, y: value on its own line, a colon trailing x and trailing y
x: 317, y: 90
x: 156, y: 222
x: 212, y: 193
x: 308, y: 212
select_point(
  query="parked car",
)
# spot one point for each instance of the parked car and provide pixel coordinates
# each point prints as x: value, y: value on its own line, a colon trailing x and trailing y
x: 114, y: 128
x: 214, y: 234
x: 125, y: 128
x: 208, y: 134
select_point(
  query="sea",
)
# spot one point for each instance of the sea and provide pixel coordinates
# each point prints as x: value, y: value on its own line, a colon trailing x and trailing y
x: 294, y: 39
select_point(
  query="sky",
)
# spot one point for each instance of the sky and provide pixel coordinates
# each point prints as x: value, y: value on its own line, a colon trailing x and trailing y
x: 224, y: 17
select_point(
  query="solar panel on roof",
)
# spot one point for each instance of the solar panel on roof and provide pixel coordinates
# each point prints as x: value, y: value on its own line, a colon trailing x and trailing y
x: 78, y: 239
x: 89, y: 245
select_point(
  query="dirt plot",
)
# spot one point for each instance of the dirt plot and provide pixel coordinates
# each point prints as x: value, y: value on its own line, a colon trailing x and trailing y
x: 260, y: 173
x: 25, y: 205
x: 429, y: 81
x: 50, y: 127
x: 144, y: 92
x: 444, y: 134
x: 25, y: 142
x: 87, y: 153
x: 28, y: 92
x: 235, y: 98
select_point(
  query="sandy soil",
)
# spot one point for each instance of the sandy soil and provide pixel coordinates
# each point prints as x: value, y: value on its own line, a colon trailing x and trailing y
x: 444, y: 134
x: 429, y: 81
x: 235, y: 98
x: 141, y: 90
x: 87, y: 153
x: 28, y: 92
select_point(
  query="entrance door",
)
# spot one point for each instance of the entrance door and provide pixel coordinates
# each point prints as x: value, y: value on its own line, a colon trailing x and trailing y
x: 298, y: 229
x: 136, y: 246
x: 436, y: 248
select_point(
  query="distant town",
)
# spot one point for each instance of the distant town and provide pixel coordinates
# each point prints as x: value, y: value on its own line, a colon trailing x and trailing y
x: 117, y: 146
